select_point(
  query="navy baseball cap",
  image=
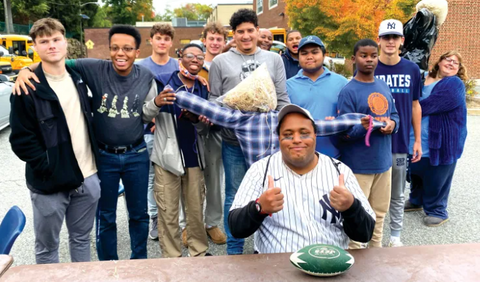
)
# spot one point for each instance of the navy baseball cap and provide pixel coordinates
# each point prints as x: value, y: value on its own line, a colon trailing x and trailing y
x: 311, y: 39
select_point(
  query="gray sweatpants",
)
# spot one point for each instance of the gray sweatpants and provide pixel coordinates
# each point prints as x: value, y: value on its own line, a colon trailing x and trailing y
x: 78, y: 208
x: 214, y: 175
x: 397, y: 201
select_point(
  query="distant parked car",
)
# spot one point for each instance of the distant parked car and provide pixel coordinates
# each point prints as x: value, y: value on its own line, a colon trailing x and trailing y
x: 278, y: 47
x: 5, y: 92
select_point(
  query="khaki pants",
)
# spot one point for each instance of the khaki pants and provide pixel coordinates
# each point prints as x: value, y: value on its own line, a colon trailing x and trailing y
x: 167, y: 189
x: 377, y: 189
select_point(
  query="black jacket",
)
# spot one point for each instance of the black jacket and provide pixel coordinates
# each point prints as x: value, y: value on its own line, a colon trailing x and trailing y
x: 40, y: 136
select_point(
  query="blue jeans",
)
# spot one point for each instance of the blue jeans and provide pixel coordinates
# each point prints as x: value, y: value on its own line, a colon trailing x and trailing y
x: 132, y: 167
x: 430, y: 186
x: 235, y: 169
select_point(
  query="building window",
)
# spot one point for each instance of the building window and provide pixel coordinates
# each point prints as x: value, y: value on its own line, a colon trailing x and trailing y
x: 260, y: 6
x: 272, y: 4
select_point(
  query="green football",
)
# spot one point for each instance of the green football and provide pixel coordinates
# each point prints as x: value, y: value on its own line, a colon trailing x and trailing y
x: 322, y: 260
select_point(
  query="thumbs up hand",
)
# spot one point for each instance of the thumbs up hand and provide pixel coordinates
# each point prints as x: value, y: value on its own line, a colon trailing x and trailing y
x: 271, y: 201
x: 340, y: 198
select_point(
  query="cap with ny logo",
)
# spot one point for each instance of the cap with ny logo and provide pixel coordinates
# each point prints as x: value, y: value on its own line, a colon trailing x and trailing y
x: 390, y: 27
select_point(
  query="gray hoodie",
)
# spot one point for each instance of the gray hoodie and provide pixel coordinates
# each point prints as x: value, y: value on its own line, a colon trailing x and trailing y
x: 230, y: 68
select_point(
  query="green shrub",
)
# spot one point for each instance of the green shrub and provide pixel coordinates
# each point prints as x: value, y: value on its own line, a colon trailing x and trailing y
x: 341, y: 69
x: 470, y: 88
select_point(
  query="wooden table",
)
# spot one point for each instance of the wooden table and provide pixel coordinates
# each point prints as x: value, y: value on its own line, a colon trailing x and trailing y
x: 422, y: 263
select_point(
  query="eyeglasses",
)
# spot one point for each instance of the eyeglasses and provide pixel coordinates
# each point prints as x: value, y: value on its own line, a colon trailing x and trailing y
x: 191, y: 56
x: 125, y: 49
x: 452, y: 61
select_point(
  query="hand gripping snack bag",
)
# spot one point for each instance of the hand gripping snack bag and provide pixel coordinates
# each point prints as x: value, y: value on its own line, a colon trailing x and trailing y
x: 256, y: 93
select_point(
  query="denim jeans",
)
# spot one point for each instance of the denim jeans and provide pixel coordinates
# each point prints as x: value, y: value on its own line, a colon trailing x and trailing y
x: 132, y: 167
x: 152, y: 205
x: 235, y: 169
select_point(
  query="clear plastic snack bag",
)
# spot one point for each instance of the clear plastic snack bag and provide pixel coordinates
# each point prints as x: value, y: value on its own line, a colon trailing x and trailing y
x: 256, y: 93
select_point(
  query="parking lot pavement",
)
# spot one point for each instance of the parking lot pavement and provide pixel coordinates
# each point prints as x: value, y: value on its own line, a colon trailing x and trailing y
x: 463, y: 227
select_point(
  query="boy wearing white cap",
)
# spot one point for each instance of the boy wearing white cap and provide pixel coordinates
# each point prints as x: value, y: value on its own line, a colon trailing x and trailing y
x: 403, y: 78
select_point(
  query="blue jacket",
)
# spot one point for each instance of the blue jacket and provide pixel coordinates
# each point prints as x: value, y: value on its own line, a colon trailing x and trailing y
x: 447, y: 109
x: 292, y: 66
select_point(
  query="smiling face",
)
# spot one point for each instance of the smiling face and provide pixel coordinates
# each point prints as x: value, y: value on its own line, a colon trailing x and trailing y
x: 214, y: 43
x: 161, y: 44
x: 366, y: 59
x: 293, y: 40
x: 310, y: 58
x: 123, y: 52
x: 51, y: 48
x: 246, y: 36
x: 190, y: 59
x: 265, y: 41
x: 449, y: 66
x: 390, y: 44
x: 297, y: 140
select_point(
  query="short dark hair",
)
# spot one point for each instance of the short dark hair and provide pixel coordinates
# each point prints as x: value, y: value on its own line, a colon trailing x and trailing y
x: 292, y: 31
x: 243, y: 16
x: 163, y: 29
x: 191, y: 45
x: 281, y: 121
x: 364, y: 43
x: 126, y: 29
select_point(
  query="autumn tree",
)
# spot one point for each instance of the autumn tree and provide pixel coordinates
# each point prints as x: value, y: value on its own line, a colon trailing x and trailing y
x: 129, y: 11
x: 194, y: 12
x: 340, y: 23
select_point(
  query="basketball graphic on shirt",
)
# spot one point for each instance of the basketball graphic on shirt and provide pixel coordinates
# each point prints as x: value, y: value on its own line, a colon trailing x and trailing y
x: 378, y: 103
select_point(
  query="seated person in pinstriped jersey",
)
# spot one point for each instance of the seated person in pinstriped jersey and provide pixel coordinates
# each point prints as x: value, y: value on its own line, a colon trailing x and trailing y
x: 297, y: 197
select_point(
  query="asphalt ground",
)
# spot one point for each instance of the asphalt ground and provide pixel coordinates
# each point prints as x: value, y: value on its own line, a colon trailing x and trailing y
x: 463, y: 207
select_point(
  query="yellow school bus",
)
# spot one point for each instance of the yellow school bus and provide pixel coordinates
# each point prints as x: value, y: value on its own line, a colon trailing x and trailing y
x: 21, y: 45
x: 279, y: 34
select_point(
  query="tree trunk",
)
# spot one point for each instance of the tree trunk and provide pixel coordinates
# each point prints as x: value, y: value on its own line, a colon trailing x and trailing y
x: 8, y: 16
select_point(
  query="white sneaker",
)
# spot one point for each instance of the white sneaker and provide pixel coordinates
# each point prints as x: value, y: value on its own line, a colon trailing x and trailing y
x: 395, y: 242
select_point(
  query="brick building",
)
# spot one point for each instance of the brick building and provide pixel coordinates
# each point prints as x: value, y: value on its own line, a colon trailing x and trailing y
x: 461, y: 32
x: 271, y: 13
x: 99, y: 38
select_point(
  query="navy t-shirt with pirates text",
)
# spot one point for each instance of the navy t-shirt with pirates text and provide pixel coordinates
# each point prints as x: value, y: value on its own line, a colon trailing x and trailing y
x: 405, y: 84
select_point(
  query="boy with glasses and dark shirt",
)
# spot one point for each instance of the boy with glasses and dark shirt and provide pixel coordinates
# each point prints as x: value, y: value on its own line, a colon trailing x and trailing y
x: 120, y: 88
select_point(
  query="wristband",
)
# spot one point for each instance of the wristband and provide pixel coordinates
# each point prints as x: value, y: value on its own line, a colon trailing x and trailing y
x: 260, y: 210
x: 27, y: 68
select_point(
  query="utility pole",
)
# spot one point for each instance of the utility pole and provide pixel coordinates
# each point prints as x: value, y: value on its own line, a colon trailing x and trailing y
x: 8, y: 16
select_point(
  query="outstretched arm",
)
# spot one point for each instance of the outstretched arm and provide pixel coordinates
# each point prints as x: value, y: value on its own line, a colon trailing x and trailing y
x: 216, y: 114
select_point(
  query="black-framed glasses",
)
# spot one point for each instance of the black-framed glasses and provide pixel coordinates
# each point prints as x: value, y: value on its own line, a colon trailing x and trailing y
x: 190, y: 56
x: 125, y: 49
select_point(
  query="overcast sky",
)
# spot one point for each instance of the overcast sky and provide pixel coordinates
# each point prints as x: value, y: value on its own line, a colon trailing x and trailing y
x: 161, y: 5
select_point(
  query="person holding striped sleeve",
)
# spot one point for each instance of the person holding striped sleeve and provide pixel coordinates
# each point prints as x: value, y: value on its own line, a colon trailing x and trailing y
x: 255, y: 131
x: 297, y: 197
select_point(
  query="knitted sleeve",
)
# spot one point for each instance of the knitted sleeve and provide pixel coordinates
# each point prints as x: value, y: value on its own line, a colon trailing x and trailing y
x: 446, y: 96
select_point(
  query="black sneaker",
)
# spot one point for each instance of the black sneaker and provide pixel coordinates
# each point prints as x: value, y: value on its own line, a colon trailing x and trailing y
x: 411, y: 207
x: 153, y: 233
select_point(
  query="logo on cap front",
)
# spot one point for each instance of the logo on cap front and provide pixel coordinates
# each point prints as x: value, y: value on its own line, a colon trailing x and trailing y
x: 391, y: 25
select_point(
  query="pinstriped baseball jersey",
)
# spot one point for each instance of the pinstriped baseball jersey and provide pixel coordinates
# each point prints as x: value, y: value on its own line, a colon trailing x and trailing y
x: 307, y: 217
